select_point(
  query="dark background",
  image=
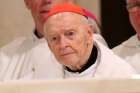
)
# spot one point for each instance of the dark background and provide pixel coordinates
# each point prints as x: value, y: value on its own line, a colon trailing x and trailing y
x: 116, y: 27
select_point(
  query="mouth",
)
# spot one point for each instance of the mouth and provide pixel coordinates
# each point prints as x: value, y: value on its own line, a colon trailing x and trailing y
x: 43, y: 14
x: 44, y: 11
x: 67, y: 54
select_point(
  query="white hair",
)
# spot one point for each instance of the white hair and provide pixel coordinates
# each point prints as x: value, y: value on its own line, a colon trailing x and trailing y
x: 95, y: 25
x: 96, y: 30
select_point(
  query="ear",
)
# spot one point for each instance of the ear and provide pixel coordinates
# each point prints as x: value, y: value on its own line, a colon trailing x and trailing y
x: 89, y: 35
x: 28, y: 3
x: 49, y: 46
x: 90, y: 30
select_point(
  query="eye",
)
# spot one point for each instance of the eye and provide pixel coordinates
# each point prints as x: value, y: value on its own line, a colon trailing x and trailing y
x: 70, y: 33
x: 53, y: 38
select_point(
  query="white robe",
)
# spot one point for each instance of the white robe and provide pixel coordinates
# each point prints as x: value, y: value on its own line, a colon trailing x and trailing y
x: 28, y: 58
x: 130, y: 51
x: 108, y: 65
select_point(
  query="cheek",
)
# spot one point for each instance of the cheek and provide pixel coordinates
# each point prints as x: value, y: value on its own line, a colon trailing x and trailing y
x: 54, y: 49
x: 80, y: 45
x: 135, y: 19
x: 36, y: 5
x: 135, y: 15
x: 34, y: 11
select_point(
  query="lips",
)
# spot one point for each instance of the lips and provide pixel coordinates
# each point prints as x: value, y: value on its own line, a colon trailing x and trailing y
x: 44, y: 11
x: 66, y: 54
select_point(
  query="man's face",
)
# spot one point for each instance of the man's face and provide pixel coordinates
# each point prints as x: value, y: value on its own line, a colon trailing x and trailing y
x: 39, y: 7
x: 133, y: 7
x: 68, y: 39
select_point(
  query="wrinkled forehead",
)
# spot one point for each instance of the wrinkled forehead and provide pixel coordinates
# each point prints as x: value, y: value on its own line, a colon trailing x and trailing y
x: 72, y: 1
x: 66, y: 17
x: 62, y: 1
x: 65, y: 21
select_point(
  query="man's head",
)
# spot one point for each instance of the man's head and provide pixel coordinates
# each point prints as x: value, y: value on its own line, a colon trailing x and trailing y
x: 133, y: 7
x: 69, y: 37
x: 38, y: 7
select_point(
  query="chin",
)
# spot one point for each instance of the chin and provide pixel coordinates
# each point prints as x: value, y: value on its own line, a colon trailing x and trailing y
x: 68, y: 62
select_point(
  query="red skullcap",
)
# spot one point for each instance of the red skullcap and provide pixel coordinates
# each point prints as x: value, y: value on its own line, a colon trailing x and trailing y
x: 65, y: 7
x: 89, y: 14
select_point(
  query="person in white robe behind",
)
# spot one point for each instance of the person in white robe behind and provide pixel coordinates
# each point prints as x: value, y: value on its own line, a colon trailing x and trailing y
x: 130, y: 49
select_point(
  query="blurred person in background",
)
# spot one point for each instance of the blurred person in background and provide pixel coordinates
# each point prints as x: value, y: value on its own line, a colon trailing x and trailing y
x: 130, y: 49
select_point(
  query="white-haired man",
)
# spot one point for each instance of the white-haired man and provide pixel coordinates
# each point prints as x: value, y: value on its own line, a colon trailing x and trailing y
x: 71, y: 39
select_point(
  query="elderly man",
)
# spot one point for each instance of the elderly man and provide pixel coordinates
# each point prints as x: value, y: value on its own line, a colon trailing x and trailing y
x: 130, y: 49
x: 70, y: 37
x: 27, y: 57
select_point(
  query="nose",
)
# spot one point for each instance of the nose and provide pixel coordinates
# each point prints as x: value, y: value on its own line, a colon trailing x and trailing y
x: 63, y: 43
x: 47, y: 2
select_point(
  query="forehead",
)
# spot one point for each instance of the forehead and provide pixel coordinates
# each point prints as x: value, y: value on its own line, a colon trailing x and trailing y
x: 65, y: 19
x: 53, y: 1
x: 61, y: 1
x: 131, y: 1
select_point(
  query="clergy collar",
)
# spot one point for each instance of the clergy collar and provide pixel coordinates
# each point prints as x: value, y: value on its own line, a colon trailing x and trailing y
x: 39, y: 36
x: 90, y: 62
